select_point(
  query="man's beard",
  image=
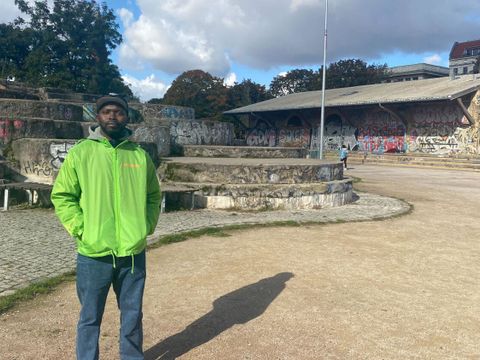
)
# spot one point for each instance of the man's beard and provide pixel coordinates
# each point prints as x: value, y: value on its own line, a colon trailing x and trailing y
x: 116, y: 134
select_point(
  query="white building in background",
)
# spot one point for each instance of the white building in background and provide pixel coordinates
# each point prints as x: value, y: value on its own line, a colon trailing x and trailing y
x: 463, y: 57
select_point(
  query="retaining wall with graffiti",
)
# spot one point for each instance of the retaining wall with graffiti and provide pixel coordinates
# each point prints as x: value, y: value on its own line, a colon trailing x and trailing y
x: 40, y: 159
x: 199, y: 132
x: 16, y: 128
x: 40, y: 109
x: 439, y: 130
x: 435, y: 128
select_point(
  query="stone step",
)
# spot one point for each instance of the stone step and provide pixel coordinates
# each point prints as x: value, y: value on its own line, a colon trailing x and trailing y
x: 16, y: 109
x: 243, y: 151
x: 266, y: 196
x: 267, y: 190
x: 12, y: 129
x: 9, y: 171
x: 411, y: 160
x: 249, y: 171
x: 38, y: 160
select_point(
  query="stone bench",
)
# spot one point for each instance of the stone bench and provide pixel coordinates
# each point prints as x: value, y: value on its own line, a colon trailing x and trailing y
x: 31, y: 188
x: 173, y: 188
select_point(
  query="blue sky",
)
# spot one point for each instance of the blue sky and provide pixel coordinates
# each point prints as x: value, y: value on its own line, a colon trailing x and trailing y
x: 260, y: 39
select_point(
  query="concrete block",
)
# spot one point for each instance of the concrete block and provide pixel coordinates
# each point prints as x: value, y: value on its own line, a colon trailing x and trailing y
x: 199, y: 132
x: 13, y: 129
x: 40, y: 159
x: 151, y: 133
x: 244, y: 172
x: 18, y: 109
x: 243, y: 151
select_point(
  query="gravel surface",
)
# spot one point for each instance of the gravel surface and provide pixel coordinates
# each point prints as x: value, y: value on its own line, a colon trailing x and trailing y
x: 402, y: 288
x: 34, y: 246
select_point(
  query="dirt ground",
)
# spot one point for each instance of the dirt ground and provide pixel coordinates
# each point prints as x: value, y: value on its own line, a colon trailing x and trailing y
x: 403, y: 288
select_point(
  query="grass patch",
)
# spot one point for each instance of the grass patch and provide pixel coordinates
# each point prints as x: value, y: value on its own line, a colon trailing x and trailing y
x: 215, y: 231
x: 33, y: 290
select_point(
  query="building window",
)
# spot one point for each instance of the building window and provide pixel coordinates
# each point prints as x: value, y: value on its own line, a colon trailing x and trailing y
x: 455, y: 71
x: 465, y: 69
x: 415, y: 78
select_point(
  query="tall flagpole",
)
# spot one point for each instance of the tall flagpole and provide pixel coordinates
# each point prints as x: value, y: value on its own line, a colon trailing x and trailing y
x: 322, y: 117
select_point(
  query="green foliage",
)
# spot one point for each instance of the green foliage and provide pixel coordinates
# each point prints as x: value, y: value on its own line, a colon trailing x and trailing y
x: 353, y: 72
x: 155, y: 101
x: 343, y: 73
x: 65, y: 46
x: 245, y: 93
x: 200, y: 90
x: 297, y: 80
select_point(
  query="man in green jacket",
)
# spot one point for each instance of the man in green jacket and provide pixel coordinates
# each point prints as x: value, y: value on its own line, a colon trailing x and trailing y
x: 108, y: 198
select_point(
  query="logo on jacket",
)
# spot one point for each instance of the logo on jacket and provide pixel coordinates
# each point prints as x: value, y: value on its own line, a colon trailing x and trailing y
x: 130, y: 166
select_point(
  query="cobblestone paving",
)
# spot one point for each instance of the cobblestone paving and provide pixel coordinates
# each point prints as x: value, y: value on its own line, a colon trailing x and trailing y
x: 34, y: 246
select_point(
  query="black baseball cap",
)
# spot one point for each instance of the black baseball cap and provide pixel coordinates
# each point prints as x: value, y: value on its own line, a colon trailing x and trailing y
x: 111, y: 99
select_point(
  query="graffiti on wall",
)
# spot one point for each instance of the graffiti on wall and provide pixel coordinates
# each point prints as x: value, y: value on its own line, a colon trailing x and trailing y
x: 89, y: 112
x: 174, y: 112
x: 8, y: 126
x: 379, y: 132
x: 261, y: 137
x: 65, y: 112
x: 58, y: 151
x: 439, y: 130
x: 338, y: 133
x: 294, y: 137
x: 201, y: 133
x: 38, y: 168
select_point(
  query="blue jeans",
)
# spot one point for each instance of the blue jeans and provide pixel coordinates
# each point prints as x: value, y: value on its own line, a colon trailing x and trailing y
x: 94, y: 277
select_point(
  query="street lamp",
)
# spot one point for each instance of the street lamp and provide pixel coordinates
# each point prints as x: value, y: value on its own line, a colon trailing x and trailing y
x: 322, y: 116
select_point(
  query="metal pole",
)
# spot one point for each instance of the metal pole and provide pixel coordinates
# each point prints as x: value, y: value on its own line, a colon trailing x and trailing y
x: 322, y: 117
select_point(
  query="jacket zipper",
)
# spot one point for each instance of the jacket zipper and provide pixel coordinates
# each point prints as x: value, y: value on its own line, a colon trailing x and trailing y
x: 116, y: 181
x: 116, y: 197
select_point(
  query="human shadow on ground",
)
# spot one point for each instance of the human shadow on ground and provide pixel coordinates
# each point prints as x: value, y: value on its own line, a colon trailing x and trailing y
x: 237, y: 307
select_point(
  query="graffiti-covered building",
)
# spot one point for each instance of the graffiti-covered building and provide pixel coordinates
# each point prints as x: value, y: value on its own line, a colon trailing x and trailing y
x: 440, y: 116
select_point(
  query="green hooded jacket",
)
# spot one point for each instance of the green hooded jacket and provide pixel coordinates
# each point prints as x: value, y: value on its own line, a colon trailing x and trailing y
x: 107, y: 197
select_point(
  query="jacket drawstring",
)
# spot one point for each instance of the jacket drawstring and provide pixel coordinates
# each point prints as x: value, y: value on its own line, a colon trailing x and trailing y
x: 113, y: 258
x: 115, y: 264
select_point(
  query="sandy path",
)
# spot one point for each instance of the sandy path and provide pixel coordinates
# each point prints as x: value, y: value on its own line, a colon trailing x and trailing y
x: 401, y: 288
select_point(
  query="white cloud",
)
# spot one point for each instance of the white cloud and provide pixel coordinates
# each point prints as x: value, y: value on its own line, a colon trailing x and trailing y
x: 433, y: 59
x: 230, y: 79
x: 178, y: 35
x: 8, y: 11
x: 147, y: 88
x: 126, y: 16
x: 296, y: 4
x: 282, y: 74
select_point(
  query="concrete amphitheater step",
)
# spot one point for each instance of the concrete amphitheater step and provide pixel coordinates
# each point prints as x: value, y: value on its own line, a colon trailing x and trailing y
x: 249, y: 171
x: 243, y: 151
x: 264, y: 196
x: 13, y: 129
x: 432, y: 161
x: 17, y: 109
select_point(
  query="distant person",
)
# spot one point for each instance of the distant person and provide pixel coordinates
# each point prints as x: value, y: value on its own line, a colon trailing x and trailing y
x: 344, y: 155
x: 108, y: 198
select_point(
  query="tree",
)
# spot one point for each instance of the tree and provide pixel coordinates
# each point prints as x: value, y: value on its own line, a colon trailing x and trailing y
x: 297, y: 80
x: 66, y: 46
x: 15, y: 45
x: 245, y: 93
x: 343, y: 73
x: 200, y: 90
x: 353, y: 72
